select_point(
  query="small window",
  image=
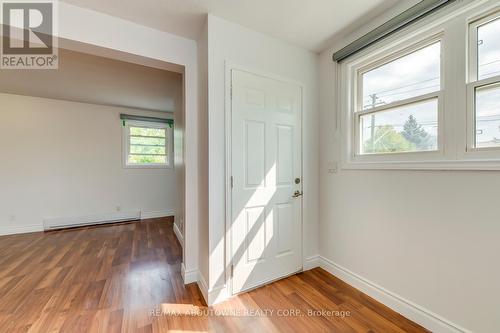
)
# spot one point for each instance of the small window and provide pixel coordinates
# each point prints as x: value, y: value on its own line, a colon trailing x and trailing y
x: 398, y: 103
x: 484, y: 85
x: 147, y: 144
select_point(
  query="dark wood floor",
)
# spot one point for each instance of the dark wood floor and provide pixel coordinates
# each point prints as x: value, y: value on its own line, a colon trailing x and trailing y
x: 126, y: 278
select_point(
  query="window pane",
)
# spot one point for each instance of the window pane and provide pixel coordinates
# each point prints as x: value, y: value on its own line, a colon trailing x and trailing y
x: 408, y: 128
x: 147, y: 141
x: 137, y: 149
x: 158, y: 132
x: 413, y: 75
x: 146, y: 159
x: 488, y: 116
x: 488, y: 39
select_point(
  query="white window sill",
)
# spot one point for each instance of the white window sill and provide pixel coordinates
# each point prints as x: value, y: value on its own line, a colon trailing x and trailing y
x: 478, y: 165
x: 147, y: 167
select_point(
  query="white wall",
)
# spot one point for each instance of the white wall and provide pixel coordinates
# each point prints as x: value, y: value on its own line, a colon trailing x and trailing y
x: 229, y: 42
x: 92, y: 30
x: 63, y: 159
x: 180, y: 167
x: 430, y: 237
x: 203, y: 192
x: 86, y: 78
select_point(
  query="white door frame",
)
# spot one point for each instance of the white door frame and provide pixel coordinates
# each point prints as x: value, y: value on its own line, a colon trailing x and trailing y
x: 229, y: 67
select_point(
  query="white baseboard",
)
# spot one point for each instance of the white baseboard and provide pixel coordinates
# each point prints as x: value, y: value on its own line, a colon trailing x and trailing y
x: 189, y: 276
x: 195, y: 275
x: 211, y: 296
x: 23, y: 229
x: 218, y: 294
x: 76, y: 221
x: 156, y: 214
x: 311, y: 262
x: 410, y: 310
x: 66, y: 222
x: 178, y: 233
x: 202, y: 284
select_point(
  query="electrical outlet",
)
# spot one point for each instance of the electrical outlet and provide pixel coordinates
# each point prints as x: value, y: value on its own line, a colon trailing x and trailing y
x: 332, y: 167
x: 12, y: 218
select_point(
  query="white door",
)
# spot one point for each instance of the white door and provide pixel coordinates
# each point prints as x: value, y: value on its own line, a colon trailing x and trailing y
x: 267, y: 179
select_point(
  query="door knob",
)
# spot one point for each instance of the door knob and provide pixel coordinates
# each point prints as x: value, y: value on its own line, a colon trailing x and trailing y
x: 297, y: 194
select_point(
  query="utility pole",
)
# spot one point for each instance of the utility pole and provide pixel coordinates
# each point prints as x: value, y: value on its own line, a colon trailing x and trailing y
x: 373, y: 98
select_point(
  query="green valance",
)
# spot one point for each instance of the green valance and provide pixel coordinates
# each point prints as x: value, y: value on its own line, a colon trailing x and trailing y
x: 168, y: 121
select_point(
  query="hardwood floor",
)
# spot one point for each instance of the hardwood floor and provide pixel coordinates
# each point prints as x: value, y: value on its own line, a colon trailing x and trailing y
x: 126, y: 278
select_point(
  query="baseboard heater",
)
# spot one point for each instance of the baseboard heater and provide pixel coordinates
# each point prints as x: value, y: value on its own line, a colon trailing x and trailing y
x: 82, y: 221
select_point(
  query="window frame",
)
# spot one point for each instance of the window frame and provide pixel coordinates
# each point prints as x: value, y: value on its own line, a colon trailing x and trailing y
x: 373, y: 63
x: 455, y: 104
x: 146, y: 124
x: 473, y: 83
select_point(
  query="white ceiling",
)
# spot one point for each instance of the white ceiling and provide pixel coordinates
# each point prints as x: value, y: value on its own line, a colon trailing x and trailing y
x: 307, y: 23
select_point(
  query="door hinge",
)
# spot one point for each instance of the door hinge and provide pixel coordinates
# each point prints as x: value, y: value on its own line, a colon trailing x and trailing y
x: 232, y: 271
x: 231, y: 92
x: 232, y: 182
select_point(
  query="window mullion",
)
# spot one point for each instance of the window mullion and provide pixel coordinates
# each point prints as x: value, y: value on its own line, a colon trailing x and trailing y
x: 401, y: 103
x: 484, y: 82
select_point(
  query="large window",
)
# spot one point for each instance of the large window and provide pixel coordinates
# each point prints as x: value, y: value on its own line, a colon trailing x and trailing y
x: 427, y: 97
x: 147, y: 144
